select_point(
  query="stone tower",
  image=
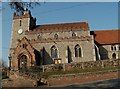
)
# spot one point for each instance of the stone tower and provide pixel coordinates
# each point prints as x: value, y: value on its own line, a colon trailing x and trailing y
x: 21, y: 23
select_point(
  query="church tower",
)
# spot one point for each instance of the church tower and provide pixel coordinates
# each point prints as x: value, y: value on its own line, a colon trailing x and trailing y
x: 21, y: 23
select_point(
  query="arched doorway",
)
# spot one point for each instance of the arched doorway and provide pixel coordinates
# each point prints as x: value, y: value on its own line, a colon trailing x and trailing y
x: 22, y: 62
x: 114, y: 55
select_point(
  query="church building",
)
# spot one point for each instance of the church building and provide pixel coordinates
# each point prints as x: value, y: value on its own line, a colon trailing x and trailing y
x: 36, y: 45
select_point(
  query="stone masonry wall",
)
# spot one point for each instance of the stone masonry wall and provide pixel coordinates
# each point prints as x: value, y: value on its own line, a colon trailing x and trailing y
x: 82, y: 65
x: 106, y: 52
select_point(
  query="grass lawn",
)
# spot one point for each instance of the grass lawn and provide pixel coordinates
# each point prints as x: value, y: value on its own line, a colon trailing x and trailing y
x: 46, y: 74
x: 82, y: 71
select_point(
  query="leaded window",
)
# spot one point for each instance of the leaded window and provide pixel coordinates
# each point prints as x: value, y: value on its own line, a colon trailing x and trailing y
x: 54, y: 52
x: 56, y: 36
x: 73, y: 34
x: 78, y: 51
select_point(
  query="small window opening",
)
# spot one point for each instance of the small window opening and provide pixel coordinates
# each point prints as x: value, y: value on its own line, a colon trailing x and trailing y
x: 24, y: 46
x: 73, y: 34
x: 20, y: 22
x: 56, y: 36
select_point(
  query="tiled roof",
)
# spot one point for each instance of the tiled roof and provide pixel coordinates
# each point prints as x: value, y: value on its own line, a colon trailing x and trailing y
x: 59, y: 27
x: 66, y: 25
x: 107, y: 36
x: 81, y: 25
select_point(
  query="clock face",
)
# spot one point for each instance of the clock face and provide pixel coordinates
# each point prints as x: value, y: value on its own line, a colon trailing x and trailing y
x: 20, y: 31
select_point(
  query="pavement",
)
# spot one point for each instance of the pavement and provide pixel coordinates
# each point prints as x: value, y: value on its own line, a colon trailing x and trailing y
x: 107, y: 84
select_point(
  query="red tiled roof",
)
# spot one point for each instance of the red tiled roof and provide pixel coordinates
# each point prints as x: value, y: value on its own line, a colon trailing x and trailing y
x: 81, y: 25
x: 59, y: 27
x: 107, y: 36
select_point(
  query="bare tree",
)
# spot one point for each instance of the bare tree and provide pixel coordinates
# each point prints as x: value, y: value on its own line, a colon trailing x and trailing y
x: 20, y: 6
x: 3, y: 64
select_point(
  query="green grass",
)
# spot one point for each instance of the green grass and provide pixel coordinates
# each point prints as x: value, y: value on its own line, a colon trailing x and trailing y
x: 46, y: 74
x: 82, y: 71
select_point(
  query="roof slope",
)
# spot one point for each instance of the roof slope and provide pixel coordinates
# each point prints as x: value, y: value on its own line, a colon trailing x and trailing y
x: 107, y: 36
x: 80, y: 25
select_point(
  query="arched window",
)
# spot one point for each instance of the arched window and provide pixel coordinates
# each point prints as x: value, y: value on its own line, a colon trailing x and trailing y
x: 115, y: 48
x: 39, y: 36
x: 56, y: 36
x: 112, y: 48
x: 114, y: 55
x: 78, y: 52
x: 73, y: 34
x: 53, y: 52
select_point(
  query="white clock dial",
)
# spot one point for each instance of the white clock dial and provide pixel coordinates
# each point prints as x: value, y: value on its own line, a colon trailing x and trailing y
x: 20, y: 31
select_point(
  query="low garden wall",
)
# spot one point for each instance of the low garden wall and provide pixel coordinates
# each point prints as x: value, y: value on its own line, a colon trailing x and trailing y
x: 80, y: 72
x: 82, y: 65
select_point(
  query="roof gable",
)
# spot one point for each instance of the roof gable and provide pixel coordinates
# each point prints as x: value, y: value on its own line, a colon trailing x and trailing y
x: 27, y: 46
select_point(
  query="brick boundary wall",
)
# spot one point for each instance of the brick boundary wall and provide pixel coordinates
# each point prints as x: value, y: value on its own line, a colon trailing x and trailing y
x: 79, y: 77
x: 82, y: 78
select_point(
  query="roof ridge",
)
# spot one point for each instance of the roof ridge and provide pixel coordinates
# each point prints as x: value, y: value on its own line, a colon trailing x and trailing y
x: 107, y: 30
x: 64, y: 23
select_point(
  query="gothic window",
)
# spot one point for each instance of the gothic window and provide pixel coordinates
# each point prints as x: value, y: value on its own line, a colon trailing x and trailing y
x: 39, y: 36
x: 112, y: 48
x: 56, y: 36
x: 53, y: 52
x: 73, y: 34
x: 78, y: 51
x: 114, y: 55
x: 20, y: 22
x: 115, y: 48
